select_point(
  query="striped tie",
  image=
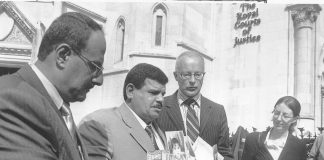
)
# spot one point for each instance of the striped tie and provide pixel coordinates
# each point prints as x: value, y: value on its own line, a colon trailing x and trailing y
x: 192, y: 120
x: 150, y: 132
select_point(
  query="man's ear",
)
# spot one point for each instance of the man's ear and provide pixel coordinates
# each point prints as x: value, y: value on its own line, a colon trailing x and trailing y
x: 130, y: 88
x: 63, y: 53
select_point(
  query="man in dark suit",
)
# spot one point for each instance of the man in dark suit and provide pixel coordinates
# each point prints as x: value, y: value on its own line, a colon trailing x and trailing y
x: 129, y: 131
x: 189, y: 111
x: 35, y: 119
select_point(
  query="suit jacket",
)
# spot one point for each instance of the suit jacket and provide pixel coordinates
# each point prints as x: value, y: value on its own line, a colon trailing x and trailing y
x: 116, y: 134
x: 238, y: 142
x: 255, y: 149
x: 31, y: 126
x: 213, y: 122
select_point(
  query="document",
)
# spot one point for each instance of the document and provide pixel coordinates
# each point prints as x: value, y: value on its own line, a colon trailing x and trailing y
x: 204, y: 151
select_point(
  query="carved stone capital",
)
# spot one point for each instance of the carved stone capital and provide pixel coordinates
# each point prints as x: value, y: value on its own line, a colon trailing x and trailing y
x: 304, y: 15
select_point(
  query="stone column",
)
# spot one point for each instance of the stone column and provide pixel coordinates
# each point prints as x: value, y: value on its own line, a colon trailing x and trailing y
x: 304, y: 17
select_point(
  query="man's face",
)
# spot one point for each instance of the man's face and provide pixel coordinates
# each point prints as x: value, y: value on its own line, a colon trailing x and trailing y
x: 146, y: 102
x: 185, y: 72
x: 84, y: 72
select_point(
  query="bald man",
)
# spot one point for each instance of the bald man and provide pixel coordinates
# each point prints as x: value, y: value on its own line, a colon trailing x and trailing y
x: 189, y: 111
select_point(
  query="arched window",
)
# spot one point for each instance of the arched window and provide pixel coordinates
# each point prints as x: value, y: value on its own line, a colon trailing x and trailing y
x: 159, y: 25
x: 120, y: 38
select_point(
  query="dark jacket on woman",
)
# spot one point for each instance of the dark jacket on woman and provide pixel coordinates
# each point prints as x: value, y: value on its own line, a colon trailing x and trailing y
x: 255, y: 149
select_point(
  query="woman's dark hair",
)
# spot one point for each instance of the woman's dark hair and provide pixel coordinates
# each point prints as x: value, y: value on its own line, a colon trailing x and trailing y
x: 291, y: 102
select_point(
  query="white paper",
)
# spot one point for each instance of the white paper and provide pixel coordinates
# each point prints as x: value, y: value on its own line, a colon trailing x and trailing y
x: 203, y: 150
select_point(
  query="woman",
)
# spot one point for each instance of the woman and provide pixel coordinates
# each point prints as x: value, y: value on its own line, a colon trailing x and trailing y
x: 278, y: 143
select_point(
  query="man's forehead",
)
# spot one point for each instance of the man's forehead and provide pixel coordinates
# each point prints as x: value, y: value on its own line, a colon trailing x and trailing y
x: 96, y: 42
x: 96, y: 47
x: 190, y: 63
x: 152, y: 83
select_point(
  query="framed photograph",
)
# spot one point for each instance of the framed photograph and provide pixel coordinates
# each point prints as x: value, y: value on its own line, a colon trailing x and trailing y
x: 179, y: 146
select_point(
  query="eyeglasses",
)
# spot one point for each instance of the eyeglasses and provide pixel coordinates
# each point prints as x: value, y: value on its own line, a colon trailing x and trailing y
x: 94, y: 68
x: 197, y: 75
x: 284, y: 115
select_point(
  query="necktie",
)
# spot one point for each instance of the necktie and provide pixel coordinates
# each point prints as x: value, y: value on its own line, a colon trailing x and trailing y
x: 191, y: 120
x: 150, y: 132
x: 67, y: 116
x: 68, y: 119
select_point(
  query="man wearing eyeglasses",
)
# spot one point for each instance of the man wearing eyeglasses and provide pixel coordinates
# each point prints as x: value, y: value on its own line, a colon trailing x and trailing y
x: 36, y: 122
x: 189, y: 111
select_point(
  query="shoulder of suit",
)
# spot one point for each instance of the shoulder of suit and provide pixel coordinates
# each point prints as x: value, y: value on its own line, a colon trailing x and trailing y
x: 296, y: 141
x: 169, y: 97
x: 22, y: 92
x: 12, y: 81
x: 101, y: 115
x: 257, y: 134
x: 170, y: 100
x: 254, y: 134
x: 211, y: 103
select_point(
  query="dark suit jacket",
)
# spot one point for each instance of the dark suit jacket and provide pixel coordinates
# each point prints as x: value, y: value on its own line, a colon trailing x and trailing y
x: 213, y: 122
x: 116, y: 134
x: 31, y: 126
x: 255, y: 149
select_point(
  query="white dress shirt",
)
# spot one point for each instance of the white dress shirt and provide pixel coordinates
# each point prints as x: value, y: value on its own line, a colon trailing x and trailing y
x: 275, y: 146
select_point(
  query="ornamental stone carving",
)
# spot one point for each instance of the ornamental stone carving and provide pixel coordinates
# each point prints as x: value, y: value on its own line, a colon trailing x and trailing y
x: 304, y: 15
x: 17, y: 36
x: 12, y: 11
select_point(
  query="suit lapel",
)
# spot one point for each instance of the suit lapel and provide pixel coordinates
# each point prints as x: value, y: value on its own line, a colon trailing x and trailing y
x: 205, y: 113
x: 288, y: 146
x: 81, y: 144
x: 173, y: 110
x: 135, y: 128
x: 31, y: 78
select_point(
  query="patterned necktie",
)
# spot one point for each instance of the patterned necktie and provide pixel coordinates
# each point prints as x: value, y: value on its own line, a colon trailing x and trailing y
x: 67, y: 116
x: 192, y: 120
x: 150, y: 132
x: 68, y: 119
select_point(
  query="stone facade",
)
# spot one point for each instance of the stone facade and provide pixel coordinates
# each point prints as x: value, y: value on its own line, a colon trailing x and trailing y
x: 255, y: 53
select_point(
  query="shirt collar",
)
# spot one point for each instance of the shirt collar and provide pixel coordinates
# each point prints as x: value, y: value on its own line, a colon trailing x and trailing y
x: 278, y: 142
x: 50, y: 88
x: 142, y: 123
x: 182, y: 98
